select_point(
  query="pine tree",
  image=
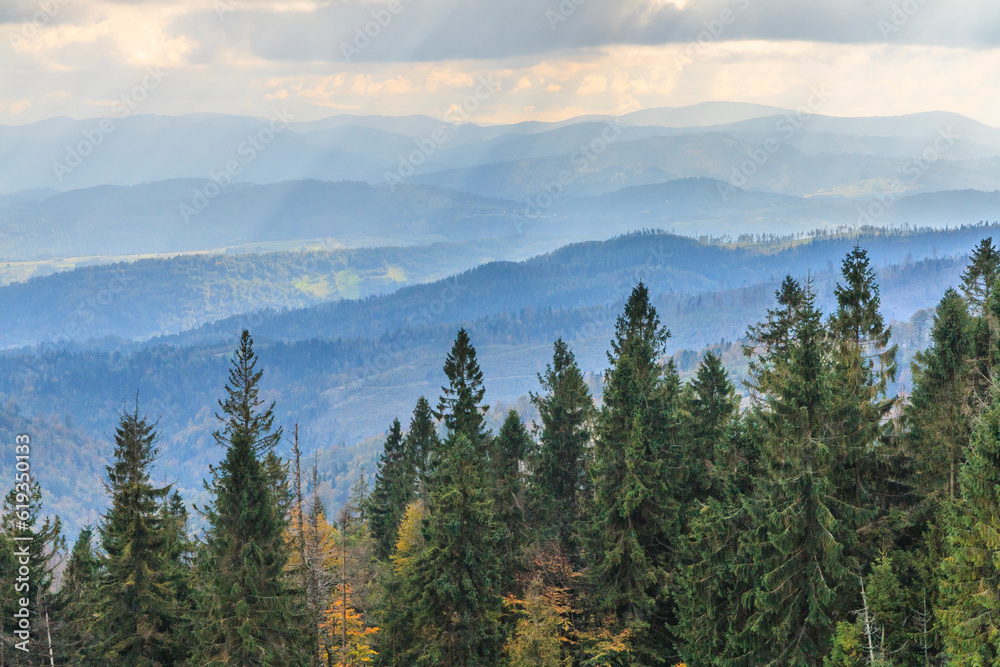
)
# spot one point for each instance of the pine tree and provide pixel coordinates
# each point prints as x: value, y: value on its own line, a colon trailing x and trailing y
x: 74, y: 633
x: 558, y: 468
x: 460, y: 405
x: 395, y: 488
x: 137, y: 603
x: 453, y: 585
x: 633, y: 515
x: 37, y: 544
x: 249, y: 611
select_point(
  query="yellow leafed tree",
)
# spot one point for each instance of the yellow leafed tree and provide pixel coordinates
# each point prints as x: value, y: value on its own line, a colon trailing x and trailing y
x: 346, y: 639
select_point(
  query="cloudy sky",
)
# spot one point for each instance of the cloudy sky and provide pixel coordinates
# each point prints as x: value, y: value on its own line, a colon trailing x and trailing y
x: 544, y: 59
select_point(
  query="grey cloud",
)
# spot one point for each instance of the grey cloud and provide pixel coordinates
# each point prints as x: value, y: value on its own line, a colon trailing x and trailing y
x: 435, y: 30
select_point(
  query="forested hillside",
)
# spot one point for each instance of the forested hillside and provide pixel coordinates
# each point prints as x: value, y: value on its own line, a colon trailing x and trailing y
x: 343, y: 370
x: 140, y: 299
x: 823, y: 519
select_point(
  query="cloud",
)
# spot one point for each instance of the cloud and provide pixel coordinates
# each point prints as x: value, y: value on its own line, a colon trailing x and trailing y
x: 552, y: 58
x: 442, y: 30
x: 592, y: 83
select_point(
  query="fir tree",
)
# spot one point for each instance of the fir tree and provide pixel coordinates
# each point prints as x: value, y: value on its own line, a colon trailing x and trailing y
x: 137, y: 602
x: 633, y: 514
x: 558, y: 467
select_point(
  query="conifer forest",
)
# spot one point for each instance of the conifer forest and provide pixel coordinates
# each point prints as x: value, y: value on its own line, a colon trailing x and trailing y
x: 811, y: 515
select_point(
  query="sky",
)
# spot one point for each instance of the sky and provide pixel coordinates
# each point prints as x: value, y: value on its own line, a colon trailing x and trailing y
x: 494, y: 61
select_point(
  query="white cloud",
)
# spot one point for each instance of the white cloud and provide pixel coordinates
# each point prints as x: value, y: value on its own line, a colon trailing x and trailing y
x: 604, y: 58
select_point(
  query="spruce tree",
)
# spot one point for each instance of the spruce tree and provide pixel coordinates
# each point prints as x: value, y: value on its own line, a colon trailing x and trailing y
x: 633, y: 514
x: 712, y: 403
x: 178, y: 553
x: 74, y: 634
x: 510, y: 448
x: 794, y: 555
x: 558, y: 468
x: 243, y: 410
x: 249, y: 611
x: 138, y: 612
x: 864, y: 365
x: 970, y: 588
x: 460, y: 405
x: 937, y: 417
x: 708, y: 596
x: 395, y: 487
x: 454, y: 584
x: 420, y: 441
x: 980, y: 275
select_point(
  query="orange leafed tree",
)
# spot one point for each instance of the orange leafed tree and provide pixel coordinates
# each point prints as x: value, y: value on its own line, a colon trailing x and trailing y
x: 340, y: 648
